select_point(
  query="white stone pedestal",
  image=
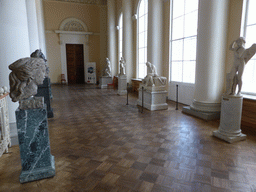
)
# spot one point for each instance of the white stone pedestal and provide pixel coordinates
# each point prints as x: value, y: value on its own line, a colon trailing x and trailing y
x: 154, y: 98
x: 104, y: 81
x: 230, y: 119
x: 122, y: 85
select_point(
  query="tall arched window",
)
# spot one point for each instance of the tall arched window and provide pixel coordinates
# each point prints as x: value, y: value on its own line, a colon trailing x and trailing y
x: 183, y: 38
x: 120, y: 37
x: 248, y: 30
x: 142, y: 35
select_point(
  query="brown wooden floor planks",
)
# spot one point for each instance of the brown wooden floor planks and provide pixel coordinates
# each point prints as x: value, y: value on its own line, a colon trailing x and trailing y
x: 102, y: 144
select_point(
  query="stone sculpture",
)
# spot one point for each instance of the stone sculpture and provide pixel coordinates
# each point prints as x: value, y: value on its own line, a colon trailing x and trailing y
x: 31, y: 118
x: 152, y: 91
x: 241, y: 57
x: 152, y: 78
x: 122, y: 66
x: 44, y: 89
x: 107, y: 69
x: 27, y: 73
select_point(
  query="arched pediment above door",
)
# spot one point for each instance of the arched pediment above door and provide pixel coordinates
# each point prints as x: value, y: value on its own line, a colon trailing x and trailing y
x: 73, y: 24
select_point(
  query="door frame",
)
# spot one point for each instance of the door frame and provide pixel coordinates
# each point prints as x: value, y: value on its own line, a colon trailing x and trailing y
x: 72, y: 39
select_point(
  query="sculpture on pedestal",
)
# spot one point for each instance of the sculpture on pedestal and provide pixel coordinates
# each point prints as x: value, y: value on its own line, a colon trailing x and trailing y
x: 122, y: 66
x: 31, y: 118
x: 107, y: 69
x: 152, y: 91
x: 44, y: 90
x: 241, y: 57
x: 232, y: 103
x: 152, y: 78
x: 27, y: 73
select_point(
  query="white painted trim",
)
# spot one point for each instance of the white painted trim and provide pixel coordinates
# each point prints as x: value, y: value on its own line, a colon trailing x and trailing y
x: 72, y: 39
x: 74, y: 32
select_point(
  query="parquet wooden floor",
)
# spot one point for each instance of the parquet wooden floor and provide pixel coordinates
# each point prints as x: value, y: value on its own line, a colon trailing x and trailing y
x: 102, y: 144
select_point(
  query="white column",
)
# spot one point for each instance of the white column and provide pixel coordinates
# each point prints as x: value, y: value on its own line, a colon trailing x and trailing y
x: 41, y: 28
x: 128, y: 38
x: 14, y: 41
x: 211, y: 46
x: 112, y: 37
x: 155, y: 34
x: 32, y: 25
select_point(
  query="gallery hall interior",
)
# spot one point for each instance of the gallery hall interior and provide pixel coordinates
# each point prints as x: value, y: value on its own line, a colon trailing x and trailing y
x: 127, y: 95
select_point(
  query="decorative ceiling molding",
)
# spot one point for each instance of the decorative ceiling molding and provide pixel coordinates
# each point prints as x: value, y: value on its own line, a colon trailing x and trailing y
x: 93, y: 2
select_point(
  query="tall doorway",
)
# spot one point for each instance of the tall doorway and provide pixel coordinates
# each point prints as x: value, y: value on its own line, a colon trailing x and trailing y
x: 75, y: 63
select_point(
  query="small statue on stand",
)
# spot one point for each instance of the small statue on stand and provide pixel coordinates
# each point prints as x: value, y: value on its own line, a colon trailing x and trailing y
x: 122, y: 66
x: 31, y: 118
x: 241, y: 57
x: 107, y: 69
x: 152, y: 76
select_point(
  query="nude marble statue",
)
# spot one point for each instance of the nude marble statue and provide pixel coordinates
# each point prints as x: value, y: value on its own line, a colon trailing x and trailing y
x: 241, y: 57
x: 107, y: 69
x: 27, y: 73
x: 122, y: 66
x: 152, y: 78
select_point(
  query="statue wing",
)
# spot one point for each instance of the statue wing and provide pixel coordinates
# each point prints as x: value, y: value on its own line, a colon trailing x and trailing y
x: 249, y: 53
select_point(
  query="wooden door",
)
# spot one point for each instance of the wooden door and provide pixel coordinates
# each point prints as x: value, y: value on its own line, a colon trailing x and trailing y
x: 75, y: 63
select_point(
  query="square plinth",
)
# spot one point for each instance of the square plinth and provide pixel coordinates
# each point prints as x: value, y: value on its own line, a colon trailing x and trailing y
x: 153, y: 100
x: 36, y: 159
x: 104, y: 81
x: 122, y: 85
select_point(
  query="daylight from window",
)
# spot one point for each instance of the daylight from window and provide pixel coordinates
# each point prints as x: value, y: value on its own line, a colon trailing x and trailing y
x: 120, y: 36
x: 183, y: 38
x: 142, y: 38
x: 249, y: 75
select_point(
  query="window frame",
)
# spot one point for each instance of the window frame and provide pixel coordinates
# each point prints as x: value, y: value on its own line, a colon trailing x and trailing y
x: 182, y: 39
x: 138, y: 48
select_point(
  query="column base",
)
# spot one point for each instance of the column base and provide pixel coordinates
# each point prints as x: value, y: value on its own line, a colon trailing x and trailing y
x: 208, y: 116
x: 229, y: 139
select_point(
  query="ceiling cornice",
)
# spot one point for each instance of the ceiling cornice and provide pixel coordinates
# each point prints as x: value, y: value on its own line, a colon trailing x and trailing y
x: 93, y: 2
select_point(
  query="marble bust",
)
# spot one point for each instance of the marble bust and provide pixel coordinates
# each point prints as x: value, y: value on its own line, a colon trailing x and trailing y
x: 241, y: 57
x: 27, y: 73
x: 122, y: 66
x: 107, y: 69
x: 152, y: 78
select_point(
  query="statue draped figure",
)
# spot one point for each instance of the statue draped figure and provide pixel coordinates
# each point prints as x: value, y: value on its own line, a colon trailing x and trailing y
x: 241, y: 57
x: 122, y: 66
x: 107, y: 69
x: 152, y: 78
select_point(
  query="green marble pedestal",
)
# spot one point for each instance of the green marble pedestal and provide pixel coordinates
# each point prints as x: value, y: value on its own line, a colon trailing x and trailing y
x: 36, y: 159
